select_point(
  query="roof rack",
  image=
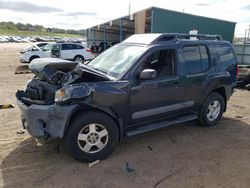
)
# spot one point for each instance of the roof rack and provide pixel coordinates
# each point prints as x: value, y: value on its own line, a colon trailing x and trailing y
x: 176, y: 37
x: 154, y: 38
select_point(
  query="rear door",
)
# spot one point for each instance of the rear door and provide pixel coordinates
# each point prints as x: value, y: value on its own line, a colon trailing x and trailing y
x: 195, y: 72
x: 68, y: 51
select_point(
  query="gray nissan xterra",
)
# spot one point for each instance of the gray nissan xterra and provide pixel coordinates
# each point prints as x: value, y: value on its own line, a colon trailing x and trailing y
x: 147, y: 82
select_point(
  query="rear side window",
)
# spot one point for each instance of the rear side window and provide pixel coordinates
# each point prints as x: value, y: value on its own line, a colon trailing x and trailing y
x: 196, y: 59
x: 79, y: 47
x: 224, y: 53
x: 68, y: 46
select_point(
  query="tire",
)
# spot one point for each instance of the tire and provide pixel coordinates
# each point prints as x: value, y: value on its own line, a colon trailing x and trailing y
x: 212, y: 109
x: 79, y: 59
x: 33, y: 57
x: 241, y: 84
x: 80, y: 138
x: 247, y: 87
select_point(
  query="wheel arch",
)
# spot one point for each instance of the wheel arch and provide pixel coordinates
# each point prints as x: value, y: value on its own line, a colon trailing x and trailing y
x: 107, y: 111
x: 33, y: 57
x: 222, y: 92
x: 79, y: 55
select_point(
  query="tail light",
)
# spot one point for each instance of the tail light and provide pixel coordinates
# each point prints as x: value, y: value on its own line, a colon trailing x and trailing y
x: 89, y: 50
x: 237, y: 70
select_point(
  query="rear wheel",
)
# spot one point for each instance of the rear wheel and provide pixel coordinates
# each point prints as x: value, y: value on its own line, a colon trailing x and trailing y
x: 212, y: 109
x: 79, y: 59
x: 92, y: 136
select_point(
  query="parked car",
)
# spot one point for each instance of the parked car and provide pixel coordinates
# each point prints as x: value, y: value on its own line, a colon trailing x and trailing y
x: 69, y: 51
x: 3, y: 39
x: 98, y: 48
x: 30, y: 48
x: 14, y: 39
x: 72, y: 51
x: 36, y: 52
x: 244, y: 76
x: 147, y: 82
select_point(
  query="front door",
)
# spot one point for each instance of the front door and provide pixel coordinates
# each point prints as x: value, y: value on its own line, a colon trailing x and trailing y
x: 157, y: 98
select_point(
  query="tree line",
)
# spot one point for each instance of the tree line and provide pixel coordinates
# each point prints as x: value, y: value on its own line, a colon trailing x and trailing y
x: 37, y: 28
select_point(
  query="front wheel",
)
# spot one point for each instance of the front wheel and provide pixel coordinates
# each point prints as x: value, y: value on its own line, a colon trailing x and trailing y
x: 212, y: 109
x: 92, y: 136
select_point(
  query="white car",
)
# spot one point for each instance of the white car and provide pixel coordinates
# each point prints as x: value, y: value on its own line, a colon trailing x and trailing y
x: 3, y: 39
x: 69, y: 51
x: 40, y: 45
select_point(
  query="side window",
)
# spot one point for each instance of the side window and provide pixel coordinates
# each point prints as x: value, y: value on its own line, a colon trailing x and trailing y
x: 196, y: 59
x: 192, y: 60
x: 162, y: 61
x: 224, y: 53
x: 67, y: 47
x: 79, y: 47
x: 204, y: 57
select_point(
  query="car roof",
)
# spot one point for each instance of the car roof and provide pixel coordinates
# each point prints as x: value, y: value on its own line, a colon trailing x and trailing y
x: 170, y: 38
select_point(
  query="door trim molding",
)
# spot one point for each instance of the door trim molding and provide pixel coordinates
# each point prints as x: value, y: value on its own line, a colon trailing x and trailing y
x: 162, y: 109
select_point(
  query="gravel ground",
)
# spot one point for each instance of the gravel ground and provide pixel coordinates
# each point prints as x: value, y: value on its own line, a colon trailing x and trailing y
x: 186, y: 155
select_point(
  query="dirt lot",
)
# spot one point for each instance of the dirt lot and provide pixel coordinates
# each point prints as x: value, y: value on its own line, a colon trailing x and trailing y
x: 179, y: 156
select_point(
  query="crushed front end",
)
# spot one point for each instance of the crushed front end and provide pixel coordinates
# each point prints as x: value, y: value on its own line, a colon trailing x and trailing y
x: 53, y: 95
x: 40, y: 115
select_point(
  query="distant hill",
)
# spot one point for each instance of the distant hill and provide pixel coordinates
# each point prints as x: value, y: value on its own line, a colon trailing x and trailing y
x: 10, y: 28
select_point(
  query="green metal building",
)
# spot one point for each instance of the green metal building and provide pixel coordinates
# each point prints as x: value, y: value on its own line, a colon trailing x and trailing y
x: 158, y: 20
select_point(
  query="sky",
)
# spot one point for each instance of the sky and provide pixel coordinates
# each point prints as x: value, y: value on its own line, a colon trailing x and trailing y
x: 80, y: 14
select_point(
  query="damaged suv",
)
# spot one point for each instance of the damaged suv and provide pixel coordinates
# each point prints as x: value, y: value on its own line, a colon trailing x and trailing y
x: 147, y: 82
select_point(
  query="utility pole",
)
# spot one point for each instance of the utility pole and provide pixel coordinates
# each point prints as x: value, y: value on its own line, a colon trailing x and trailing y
x: 248, y: 32
x: 129, y: 8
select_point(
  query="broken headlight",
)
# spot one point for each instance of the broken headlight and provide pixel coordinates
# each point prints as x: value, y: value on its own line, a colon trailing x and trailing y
x: 71, y: 92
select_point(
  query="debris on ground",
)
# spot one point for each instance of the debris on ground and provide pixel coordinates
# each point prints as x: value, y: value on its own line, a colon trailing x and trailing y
x: 128, y: 168
x: 93, y: 163
x: 150, y: 148
x: 20, y: 132
x: 6, y: 106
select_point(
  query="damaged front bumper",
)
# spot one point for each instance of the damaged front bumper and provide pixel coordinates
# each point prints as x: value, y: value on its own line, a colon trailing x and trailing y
x: 46, y: 122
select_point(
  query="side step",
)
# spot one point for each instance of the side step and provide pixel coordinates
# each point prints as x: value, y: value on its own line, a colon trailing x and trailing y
x: 159, y: 125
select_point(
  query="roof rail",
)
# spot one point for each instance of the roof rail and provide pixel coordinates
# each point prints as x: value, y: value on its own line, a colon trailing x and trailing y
x: 175, y: 37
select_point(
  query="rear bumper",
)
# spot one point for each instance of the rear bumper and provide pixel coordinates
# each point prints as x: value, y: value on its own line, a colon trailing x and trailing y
x: 46, y: 122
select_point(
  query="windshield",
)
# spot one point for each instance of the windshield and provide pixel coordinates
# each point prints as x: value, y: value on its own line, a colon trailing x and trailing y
x: 47, y: 47
x: 117, y: 60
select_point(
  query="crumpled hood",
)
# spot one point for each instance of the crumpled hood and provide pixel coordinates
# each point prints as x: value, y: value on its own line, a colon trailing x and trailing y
x: 45, y: 68
x: 51, y: 69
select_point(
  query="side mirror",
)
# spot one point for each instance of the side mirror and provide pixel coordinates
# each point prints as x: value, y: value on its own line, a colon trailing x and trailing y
x: 148, y: 74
